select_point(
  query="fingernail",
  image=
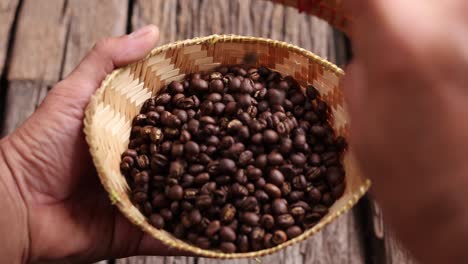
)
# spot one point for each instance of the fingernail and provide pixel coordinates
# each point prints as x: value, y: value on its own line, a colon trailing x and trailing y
x: 142, y: 31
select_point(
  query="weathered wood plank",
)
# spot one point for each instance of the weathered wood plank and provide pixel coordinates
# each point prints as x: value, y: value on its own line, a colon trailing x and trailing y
x: 91, y: 21
x: 338, y: 243
x: 395, y: 252
x: 39, y: 41
x: 7, y: 16
x: 23, y: 97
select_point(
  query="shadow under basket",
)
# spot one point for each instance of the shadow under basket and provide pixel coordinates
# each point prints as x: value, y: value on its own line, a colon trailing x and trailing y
x: 110, y: 112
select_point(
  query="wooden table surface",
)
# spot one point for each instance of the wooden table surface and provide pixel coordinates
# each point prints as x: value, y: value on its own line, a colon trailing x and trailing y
x: 41, y: 41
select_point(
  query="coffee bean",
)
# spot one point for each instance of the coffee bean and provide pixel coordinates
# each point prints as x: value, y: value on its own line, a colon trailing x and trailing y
x: 279, y: 206
x: 298, y: 159
x: 299, y: 182
x: 313, y: 173
x: 267, y: 221
x: 227, y: 234
x: 298, y: 213
x: 245, y: 158
x: 286, y: 145
x: 176, y: 192
x: 250, y: 218
x: 192, y: 148
x: 228, y: 247
x: 270, y: 136
x: 213, y: 228
x: 193, y: 126
x: 272, y: 190
x: 199, y: 85
x: 293, y: 231
x: 203, y: 242
x: 235, y: 84
x: 143, y: 161
x: 227, y: 166
x: 279, y: 237
x: 241, y: 176
x: 338, y: 190
x: 275, y: 96
x: 202, y: 178
x: 276, y: 177
x: 243, y: 243
x: 245, y: 229
x: 275, y: 158
x: 249, y: 203
x: 261, y: 161
x: 253, y: 173
x: 228, y: 213
x: 239, y: 190
x: 157, y: 221
x: 261, y: 196
x: 217, y: 86
x: 257, y: 234
x: 175, y: 87
x: 203, y: 201
x: 327, y: 199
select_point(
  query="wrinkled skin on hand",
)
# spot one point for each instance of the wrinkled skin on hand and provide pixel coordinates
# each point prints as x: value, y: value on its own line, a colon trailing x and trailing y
x: 64, y: 211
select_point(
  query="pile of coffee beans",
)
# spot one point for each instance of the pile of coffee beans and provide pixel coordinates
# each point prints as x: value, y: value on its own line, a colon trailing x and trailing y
x: 239, y: 159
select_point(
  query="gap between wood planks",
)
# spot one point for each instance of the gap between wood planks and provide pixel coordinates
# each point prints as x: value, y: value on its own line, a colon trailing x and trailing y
x: 39, y: 49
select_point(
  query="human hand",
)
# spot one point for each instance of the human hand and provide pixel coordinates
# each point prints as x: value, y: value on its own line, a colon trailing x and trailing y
x: 53, y: 195
x: 407, y: 97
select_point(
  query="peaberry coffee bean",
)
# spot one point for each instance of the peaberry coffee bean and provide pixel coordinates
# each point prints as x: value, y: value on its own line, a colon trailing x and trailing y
x: 241, y: 150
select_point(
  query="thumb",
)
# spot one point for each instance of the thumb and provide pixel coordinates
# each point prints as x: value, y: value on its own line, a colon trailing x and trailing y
x: 103, y: 58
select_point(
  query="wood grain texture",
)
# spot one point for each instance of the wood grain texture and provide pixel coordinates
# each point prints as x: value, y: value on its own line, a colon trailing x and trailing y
x: 39, y: 42
x: 7, y: 16
x: 339, y: 242
x: 23, y: 97
x: 91, y: 21
x: 395, y: 252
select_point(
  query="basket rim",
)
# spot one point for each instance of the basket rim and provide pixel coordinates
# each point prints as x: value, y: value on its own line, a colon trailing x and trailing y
x: 186, y: 247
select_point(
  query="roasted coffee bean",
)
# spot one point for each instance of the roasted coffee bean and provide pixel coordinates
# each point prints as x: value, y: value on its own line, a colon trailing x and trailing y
x: 279, y: 206
x: 227, y: 234
x: 228, y: 213
x: 213, y: 228
x: 228, y: 247
x: 227, y: 166
x: 202, y: 178
x: 243, y: 243
x: 195, y: 217
x: 157, y: 221
x: 176, y: 192
x: 250, y: 218
x: 260, y: 183
x: 257, y: 234
x: 267, y: 221
x: 293, y: 231
x: 299, y: 182
x: 313, y: 173
x: 338, y: 190
x: 175, y: 87
x: 199, y: 85
x: 253, y: 173
x: 276, y: 96
x: 203, y: 242
x: 261, y: 161
x: 272, y: 190
x: 275, y: 158
x: 276, y: 177
x: 217, y: 86
x: 249, y: 203
x: 203, y: 201
x: 245, y: 158
x: 298, y: 213
x: 245, y: 229
x: 327, y: 199
x: 192, y: 148
x: 298, y: 159
x: 270, y: 136
x: 239, y: 190
x: 176, y: 169
x: 279, y: 237
x: 315, y: 195
x: 143, y: 161
x: 261, y: 196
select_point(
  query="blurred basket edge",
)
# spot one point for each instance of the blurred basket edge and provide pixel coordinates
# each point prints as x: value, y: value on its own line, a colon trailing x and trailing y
x: 108, y: 116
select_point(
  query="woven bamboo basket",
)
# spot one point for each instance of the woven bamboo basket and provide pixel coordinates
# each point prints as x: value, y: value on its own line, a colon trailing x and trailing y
x: 109, y: 114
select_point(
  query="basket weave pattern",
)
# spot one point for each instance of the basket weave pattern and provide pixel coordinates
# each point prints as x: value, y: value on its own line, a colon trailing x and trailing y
x: 121, y: 95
